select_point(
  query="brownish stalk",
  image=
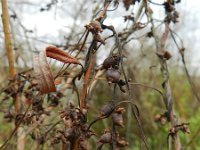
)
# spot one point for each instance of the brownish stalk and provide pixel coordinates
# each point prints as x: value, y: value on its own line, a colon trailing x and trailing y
x: 166, y: 85
x: 85, y: 84
x: 88, y: 70
x: 12, y: 70
x: 102, y: 15
x: 8, y: 44
x: 168, y: 98
x: 87, y: 73
x: 74, y: 144
x: 168, y: 92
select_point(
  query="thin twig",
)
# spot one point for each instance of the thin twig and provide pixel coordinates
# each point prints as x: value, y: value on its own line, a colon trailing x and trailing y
x: 181, y: 51
x: 114, y: 132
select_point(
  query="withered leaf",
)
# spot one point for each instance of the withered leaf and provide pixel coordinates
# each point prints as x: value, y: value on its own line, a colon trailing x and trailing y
x: 42, y: 70
x: 60, y: 55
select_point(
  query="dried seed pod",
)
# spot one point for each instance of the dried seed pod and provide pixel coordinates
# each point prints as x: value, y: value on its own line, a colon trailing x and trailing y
x: 121, y: 89
x: 118, y: 119
x: 98, y: 38
x: 106, y: 138
x: 112, y: 75
x: 111, y: 61
x: 157, y: 117
x: 94, y: 27
x: 127, y: 3
x: 122, y: 82
x: 121, y: 143
x: 107, y: 109
x: 164, y: 54
x: 168, y: 6
x: 185, y: 129
x: 167, y: 55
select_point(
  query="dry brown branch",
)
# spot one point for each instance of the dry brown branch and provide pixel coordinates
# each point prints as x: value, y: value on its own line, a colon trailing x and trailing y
x: 8, y: 43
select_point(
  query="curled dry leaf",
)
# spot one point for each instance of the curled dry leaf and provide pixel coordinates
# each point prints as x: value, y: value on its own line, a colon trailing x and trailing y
x: 42, y: 70
x: 60, y: 55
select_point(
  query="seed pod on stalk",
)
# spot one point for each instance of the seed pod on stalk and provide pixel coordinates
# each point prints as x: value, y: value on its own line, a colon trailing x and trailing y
x: 113, y: 75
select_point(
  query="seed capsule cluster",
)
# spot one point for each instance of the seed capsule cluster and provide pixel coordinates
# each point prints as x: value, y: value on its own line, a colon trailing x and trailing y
x: 111, y: 64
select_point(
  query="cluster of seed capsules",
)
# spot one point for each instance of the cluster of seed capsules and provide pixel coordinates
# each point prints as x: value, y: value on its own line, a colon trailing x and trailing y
x: 109, y: 137
x: 111, y: 65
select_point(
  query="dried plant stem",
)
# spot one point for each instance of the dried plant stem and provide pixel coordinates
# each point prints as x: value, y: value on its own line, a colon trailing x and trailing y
x: 8, y: 44
x: 168, y: 100
x: 12, y: 70
x: 74, y: 143
x: 85, y: 84
x: 114, y: 131
x: 181, y: 51
x: 90, y: 60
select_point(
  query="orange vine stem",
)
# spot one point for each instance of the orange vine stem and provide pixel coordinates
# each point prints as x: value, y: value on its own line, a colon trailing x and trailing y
x: 85, y: 84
